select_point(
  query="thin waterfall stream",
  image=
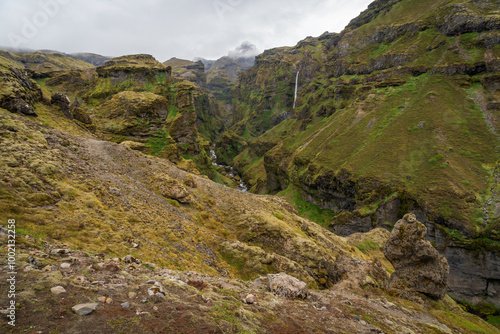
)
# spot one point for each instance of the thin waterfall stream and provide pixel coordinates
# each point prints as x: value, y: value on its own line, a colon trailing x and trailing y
x: 296, y: 86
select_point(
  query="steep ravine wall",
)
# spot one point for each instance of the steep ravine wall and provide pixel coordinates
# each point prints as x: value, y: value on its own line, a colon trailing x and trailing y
x: 474, y: 273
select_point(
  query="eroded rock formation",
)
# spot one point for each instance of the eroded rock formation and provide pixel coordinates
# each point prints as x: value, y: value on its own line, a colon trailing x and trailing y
x: 418, y: 264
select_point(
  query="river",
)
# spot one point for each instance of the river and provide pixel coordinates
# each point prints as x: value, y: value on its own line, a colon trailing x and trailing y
x: 241, y: 186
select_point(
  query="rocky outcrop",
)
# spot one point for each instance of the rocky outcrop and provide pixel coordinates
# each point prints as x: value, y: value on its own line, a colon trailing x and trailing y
x: 81, y: 115
x: 474, y: 270
x: 419, y: 266
x: 286, y: 286
x: 134, y: 145
x: 18, y: 105
x: 183, y: 128
x: 91, y: 58
x: 63, y: 102
x: 136, y: 114
x: 460, y: 19
x: 18, y: 93
x: 141, y: 68
x: 188, y: 70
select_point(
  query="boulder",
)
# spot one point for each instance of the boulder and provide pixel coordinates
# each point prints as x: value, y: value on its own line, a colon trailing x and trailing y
x: 418, y: 265
x: 57, y: 290
x: 286, y: 286
x: 65, y: 265
x: 84, y: 309
x: 63, y: 102
x: 171, y: 188
x: 250, y: 299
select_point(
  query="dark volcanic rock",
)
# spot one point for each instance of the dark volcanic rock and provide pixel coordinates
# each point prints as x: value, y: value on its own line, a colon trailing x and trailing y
x: 418, y: 264
x: 18, y: 105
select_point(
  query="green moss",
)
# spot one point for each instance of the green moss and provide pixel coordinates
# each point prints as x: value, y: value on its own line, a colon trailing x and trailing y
x: 311, y: 211
x: 278, y: 215
x: 367, y: 246
x: 159, y: 142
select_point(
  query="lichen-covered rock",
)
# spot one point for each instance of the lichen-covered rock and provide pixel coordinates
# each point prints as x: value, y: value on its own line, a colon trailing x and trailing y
x: 171, y: 188
x: 81, y: 115
x: 418, y: 264
x: 286, y: 286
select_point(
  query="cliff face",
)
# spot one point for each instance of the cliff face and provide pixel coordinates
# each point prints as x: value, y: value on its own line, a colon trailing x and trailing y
x: 397, y: 113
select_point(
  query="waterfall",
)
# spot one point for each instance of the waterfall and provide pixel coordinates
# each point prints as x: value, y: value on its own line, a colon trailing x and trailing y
x: 296, y: 85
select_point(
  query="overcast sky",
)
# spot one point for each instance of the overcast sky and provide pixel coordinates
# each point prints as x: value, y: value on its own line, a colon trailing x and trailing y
x: 183, y: 28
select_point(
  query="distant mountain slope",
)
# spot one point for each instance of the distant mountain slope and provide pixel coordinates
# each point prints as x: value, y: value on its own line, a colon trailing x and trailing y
x: 91, y: 58
x: 43, y: 63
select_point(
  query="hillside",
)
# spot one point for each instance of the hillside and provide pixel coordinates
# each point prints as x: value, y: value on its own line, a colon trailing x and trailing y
x: 99, y: 222
x: 399, y: 112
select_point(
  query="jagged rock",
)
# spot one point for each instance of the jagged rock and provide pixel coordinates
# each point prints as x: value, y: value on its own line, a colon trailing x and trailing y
x: 57, y: 290
x: 157, y: 291
x: 125, y: 305
x: 418, y: 264
x: 84, y: 309
x: 286, y: 286
x: 63, y: 102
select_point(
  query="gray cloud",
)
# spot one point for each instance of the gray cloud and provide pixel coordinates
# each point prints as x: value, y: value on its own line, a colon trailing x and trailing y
x: 184, y: 29
x: 244, y: 50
